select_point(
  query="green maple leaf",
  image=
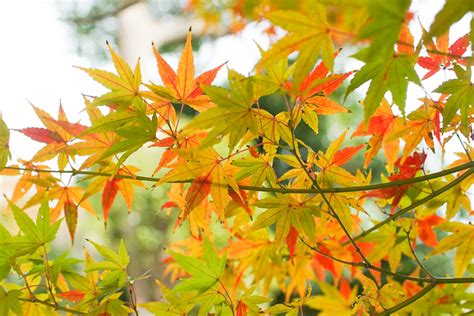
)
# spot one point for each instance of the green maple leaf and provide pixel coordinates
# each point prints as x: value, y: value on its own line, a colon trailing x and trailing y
x: 285, y: 212
x: 124, y: 86
x: 38, y: 233
x: 461, y: 96
x: 114, y: 262
x: 452, y: 11
x: 308, y: 33
x: 133, y: 136
x: 205, y: 273
x: 233, y: 111
x: 384, y: 27
x: 4, y: 147
x: 385, y: 75
x: 9, y: 302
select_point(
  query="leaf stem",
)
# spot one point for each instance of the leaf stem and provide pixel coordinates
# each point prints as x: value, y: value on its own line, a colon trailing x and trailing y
x: 227, y: 297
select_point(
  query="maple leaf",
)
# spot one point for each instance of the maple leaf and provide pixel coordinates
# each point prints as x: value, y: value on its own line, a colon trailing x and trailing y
x: 461, y: 96
x: 30, y: 178
x: 68, y: 200
x: 57, y: 135
x: 379, y: 127
x: 197, y: 192
x: 385, y: 73
x: 182, y: 86
x: 322, y: 263
x: 439, y: 58
x: 241, y: 309
x: 4, y: 143
x: 422, y: 124
x: 258, y: 169
x: 205, y: 273
x: 108, y: 196
x: 286, y: 212
x: 133, y: 137
x: 241, y: 199
x: 425, y: 230
x: 462, y: 238
x: 309, y: 33
x: 209, y: 165
x: 331, y: 161
x: 291, y: 239
x: 124, y: 86
x: 72, y: 295
x: 316, y: 87
x: 407, y: 169
x: 113, y: 186
x: 181, y: 141
x: 233, y: 111
x: 377, y: 298
x: 94, y: 144
x: 331, y: 301
x: 452, y: 11
x: 384, y: 27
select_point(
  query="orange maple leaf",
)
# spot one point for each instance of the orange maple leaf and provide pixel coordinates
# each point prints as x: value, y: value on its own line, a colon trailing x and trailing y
x: 72, y: 295
x: 182, y: 86
x: 446, y: 56
x: 56, y: 135
x: 425, y: 230
x: 115, y: 185
x: 379, y: 127
x: 316, y: 87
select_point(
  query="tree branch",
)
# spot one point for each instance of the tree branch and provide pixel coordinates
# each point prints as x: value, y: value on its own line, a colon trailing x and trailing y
x: 415, y: 204
x: 410, y: 300
x: 365, y: 265
x: 56, y: 307
x: 359, y: 188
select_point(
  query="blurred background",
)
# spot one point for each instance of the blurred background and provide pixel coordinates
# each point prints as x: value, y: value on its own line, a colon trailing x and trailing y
x: 42, y: 40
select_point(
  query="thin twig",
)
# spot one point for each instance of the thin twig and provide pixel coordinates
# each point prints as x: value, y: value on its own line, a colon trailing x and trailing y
x: 318, y: 188
x: 422, y: 266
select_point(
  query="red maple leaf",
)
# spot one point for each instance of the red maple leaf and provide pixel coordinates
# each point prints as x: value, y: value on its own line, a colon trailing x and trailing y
x: 407, y: 170
x: 439, y: 58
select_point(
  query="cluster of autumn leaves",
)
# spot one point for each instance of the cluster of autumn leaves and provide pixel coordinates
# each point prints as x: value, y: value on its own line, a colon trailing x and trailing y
x: 288, y: 229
